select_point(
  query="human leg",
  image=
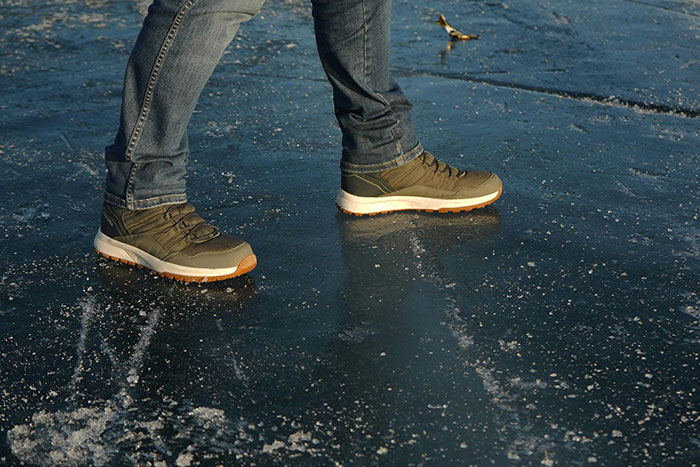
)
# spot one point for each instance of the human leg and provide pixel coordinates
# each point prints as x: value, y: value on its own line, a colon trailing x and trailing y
x: 384, y: 168
x: 145, y: 218
x: 179, y: 45
x: 353, y: 38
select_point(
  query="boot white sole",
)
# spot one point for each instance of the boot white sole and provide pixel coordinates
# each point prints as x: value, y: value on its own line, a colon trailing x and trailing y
x: 370, y: 205
x: 119, y: 251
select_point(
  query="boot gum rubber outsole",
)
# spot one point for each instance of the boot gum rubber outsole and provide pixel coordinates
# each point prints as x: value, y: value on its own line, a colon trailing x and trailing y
x: 441, y: 211
x: 247, y: 264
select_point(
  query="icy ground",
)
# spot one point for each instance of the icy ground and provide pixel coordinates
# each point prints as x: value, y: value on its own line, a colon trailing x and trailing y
x: 560, y: 326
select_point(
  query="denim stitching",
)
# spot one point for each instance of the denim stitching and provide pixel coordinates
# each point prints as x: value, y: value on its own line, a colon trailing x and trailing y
x: 146, y: 203
x: 146, y: 105
x: 130, y: 185
x: 397, y: 162
x: 153, y: 78
x: 364, y: 78
x: 364, y: 44
x: 160, y: 201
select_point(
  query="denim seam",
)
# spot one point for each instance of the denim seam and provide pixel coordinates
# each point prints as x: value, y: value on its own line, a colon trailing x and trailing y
x: 364, y: 44
x: 130, y: 185
x: 153, y: 78
x: 146, y: 203
x: 396, y: 162
x: 115, y: 200
x: 364, y: 78
x: 148, y: 96
x: 160, y: 201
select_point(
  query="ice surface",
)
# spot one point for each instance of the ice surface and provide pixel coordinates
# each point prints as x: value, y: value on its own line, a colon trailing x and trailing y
x: 559, y: 326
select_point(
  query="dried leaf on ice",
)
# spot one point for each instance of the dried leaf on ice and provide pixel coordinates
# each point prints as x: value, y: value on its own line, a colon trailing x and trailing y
x: 454, y: 34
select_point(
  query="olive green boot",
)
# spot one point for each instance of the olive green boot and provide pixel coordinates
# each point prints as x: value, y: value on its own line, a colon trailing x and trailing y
x: 173, y: 241
x: 423, y: 184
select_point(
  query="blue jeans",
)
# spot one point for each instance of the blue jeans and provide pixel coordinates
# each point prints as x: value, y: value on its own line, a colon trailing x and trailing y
x: 180, y: 44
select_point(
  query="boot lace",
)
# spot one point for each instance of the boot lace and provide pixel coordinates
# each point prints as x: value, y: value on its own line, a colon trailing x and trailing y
x: 441, y: 167
x: 191, y: 223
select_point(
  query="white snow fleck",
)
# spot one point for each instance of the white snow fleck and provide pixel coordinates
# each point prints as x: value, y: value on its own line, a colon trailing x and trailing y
x: 271, y: 448
x: 184, y: 459
x: 300, y: 435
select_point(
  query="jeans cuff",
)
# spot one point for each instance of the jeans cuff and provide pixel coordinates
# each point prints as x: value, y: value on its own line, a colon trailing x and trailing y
x: 145, y: 203
x: 397, y: 162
